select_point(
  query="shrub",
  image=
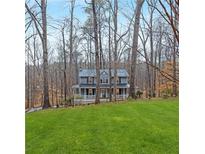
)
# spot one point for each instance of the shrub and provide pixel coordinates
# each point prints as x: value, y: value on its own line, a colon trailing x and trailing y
x: 166, y: 93
x: 78, y: 97
x: 165, y: 96
x: 139, y: 94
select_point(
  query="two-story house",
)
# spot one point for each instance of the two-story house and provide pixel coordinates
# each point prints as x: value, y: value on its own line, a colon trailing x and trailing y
x: 87, y: 83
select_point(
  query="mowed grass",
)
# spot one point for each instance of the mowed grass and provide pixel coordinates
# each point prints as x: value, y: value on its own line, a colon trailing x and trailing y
x: 139, y: 127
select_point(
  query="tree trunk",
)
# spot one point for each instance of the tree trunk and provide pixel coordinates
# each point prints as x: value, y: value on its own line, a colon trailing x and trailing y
x: 152, y: 52
x: 154, y: 75
x: 100, y: 41
x: 90, y: 42
x: 52, y: 99
x: 115, y: 48
x: 159, y: 63
x: 46, y: 103
x: 110, y: 60
x: 174, y: 70
x: 28, y: 82
x: 34, y: 72
x: 174, y: 60
x: 97, y: 98
x: 148, y: 72
x: 65, y: 67
x: 71, y: 48
x: 101, y: 51
x: 135, y: 47
x: 56, y: 86
x: 61, y: 89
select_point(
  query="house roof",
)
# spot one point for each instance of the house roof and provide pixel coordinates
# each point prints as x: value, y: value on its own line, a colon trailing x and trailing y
x: 92, y: 72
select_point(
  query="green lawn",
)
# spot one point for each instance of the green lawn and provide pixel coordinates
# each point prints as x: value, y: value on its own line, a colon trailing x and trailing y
x: 139, y: 127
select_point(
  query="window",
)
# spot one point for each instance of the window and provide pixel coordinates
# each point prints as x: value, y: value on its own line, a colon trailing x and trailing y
x: 112, y: 80
x: 118, y: 80
x: 123, y: 80
x: 94, y: 79
x: 104, y: 77
x: 83, y: 80
x: 90, y: 92
x: 90, y: 80
x: 103, y: 80
x: 103, y: 93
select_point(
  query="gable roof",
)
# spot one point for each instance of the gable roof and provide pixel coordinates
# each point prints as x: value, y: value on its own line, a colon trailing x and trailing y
x: 92, y: 72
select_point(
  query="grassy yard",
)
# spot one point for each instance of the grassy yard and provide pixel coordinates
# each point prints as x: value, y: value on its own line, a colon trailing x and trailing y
x: 139, y: 127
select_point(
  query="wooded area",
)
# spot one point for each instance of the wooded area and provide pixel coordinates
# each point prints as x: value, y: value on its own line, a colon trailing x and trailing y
x: 145, y: 42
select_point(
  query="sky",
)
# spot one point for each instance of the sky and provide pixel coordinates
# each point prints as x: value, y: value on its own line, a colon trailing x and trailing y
x: 58, y: 9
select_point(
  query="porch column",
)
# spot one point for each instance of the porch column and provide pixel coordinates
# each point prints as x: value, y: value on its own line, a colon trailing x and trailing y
x: 84, y: 93
x: 123, y: 93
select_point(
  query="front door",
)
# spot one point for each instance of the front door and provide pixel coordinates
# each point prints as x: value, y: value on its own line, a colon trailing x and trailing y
x: 103, y: 93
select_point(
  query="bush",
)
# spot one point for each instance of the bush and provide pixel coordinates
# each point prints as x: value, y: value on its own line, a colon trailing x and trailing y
x: 67, y: 101
x: 165, y: 96
x: 166, y: 93
x: 139, y: 94
x: 78, y: 97
x: 129, y: 98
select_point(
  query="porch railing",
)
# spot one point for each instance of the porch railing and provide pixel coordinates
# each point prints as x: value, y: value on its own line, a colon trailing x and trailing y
x: 122, y: 96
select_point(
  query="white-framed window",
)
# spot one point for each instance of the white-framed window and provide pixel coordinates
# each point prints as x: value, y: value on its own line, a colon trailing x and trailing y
x: 83, y: 80
x: 104, y: 80
x: 90, y: 80
x: 90, y: 92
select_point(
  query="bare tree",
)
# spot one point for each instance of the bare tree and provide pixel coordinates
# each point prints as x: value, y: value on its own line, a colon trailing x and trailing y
x: 144, y: 38
x: 97, y: 98
x: 139, y: 4
x: 115, y: 47
x: 28, y: 77
x: 43, y: 37
x: 170, y: 13
x: 110, y: 57
x: 46, y: 102
x: 65, y: 63
x: 72, y: 4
